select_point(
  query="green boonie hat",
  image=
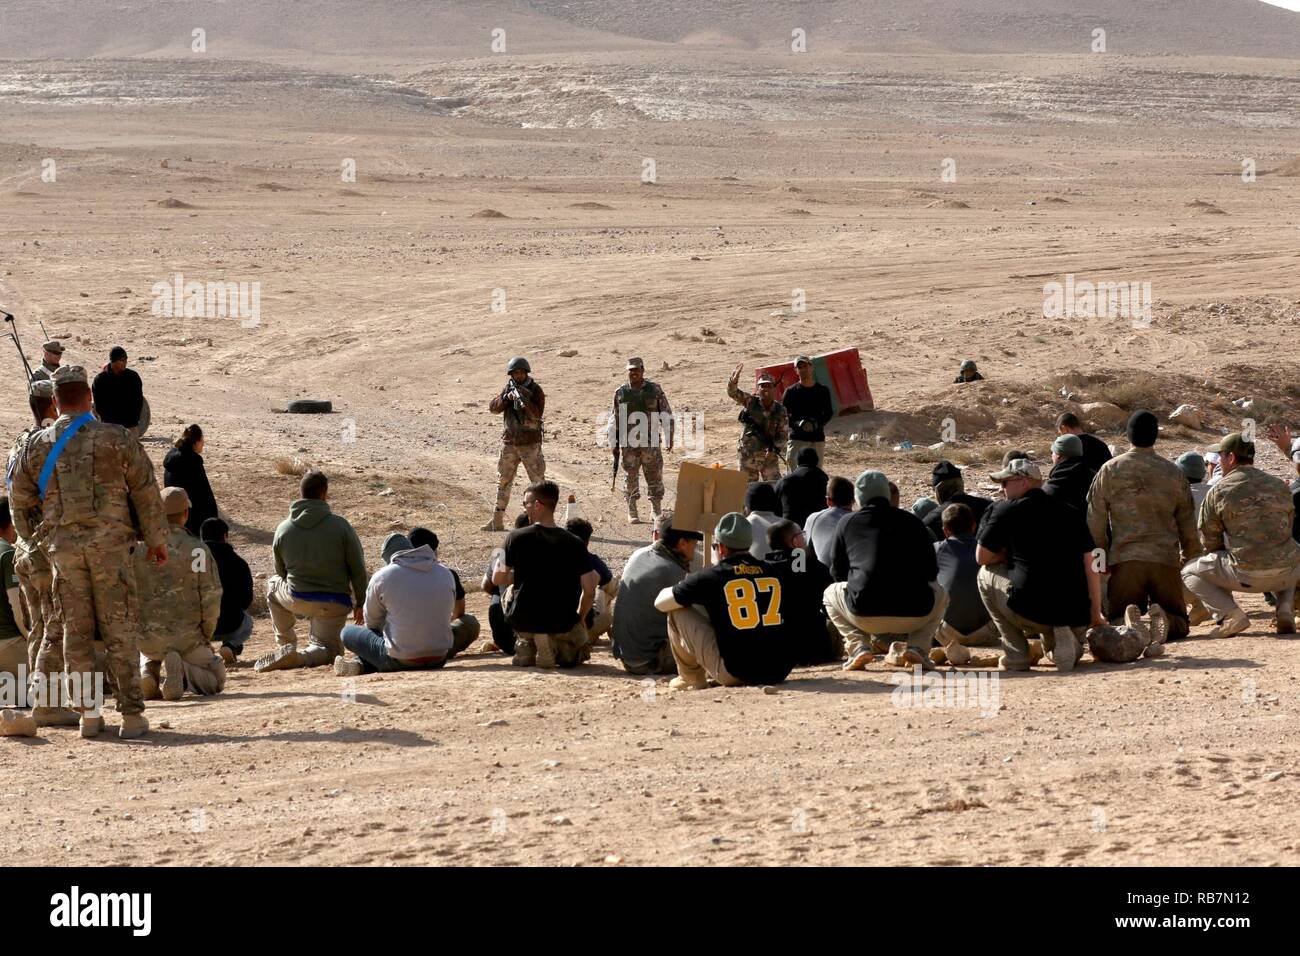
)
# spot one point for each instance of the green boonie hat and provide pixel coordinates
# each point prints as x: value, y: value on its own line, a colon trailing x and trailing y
x: 67, y: 374
x: 968, y: 364
x: 42, y: 388
x: 519, y: 363
x: 734, y: 531
x: 1234, y: 444
x: 53, y: 345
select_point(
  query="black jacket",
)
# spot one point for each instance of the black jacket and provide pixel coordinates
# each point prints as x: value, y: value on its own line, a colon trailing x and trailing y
x: 810, y: 403
x: 934, y: 520
x: 236, y: 585
x: 802, y: 492
x: 184, y: 469
x: 1095, y: 451
x: 886, y: 556
x: 1069, y: 481
x: 119, y: 399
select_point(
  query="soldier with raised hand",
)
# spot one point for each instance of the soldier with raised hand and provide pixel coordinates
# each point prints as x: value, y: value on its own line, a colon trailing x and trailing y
x: 637, y: 421
x: 523, y: 403
x: 767, y: 428
x: 1245, y: 526
x: 1140, y: 510
x: 73, y: 487
x: 180, y: 603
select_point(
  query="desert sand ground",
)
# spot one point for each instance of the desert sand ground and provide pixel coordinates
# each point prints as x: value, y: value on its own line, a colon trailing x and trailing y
x: 523, y: 173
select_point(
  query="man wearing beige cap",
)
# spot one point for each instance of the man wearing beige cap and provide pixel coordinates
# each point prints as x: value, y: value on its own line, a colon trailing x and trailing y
x: 640, y: 417
x: 180, y: 603
x: 1038, y: 574
x: 49, y: 361
x: 74, y: 486
x: 767, y: 428
x: 1245, y: 526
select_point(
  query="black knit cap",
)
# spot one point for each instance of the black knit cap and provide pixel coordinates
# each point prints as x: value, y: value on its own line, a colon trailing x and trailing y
x: 1143, y: 428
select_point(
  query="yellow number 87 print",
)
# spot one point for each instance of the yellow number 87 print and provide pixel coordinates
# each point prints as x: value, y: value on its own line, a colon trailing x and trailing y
x: 742, y: 602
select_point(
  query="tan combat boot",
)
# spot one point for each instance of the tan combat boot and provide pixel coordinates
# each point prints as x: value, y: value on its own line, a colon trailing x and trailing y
x: 151, y: 680
x: 91, y: 726
x: 657, y: 506
x: 133, y: 725
x: 14, y: 723
x: 632, y: 516
x: 496, y: 524
x: 173, y: 682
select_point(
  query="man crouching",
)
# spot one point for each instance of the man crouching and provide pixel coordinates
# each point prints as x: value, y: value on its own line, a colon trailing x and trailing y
x: 180, y: 602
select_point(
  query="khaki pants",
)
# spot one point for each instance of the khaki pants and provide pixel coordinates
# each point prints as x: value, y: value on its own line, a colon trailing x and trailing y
x: 570, y: 649
x: 986, y: 636
x: 1143, y: 583
x: 1213, y: 577
x: 695, y: 649
x: 325, y: 622
x: 508, y: 466
x: 205, y: 672
x: 664, y: 663
x: 793, y: 448
x: 604, y: 608
x: 857, y: 631
x: 1015, y: 631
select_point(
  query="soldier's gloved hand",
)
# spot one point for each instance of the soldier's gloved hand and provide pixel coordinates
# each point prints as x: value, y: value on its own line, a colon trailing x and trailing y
x: 157, y: 555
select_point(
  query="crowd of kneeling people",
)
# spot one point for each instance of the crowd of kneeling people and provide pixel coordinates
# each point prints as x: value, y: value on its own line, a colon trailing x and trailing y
x: 1111, y: 553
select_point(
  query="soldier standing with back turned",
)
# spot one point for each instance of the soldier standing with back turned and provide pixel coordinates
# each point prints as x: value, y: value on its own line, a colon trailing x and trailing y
x: 81, y: 476
x: 523, y: 403
x: 641, y: 411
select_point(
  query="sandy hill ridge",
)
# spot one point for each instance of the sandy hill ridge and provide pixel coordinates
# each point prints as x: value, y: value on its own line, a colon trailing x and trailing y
x: 437, y: 29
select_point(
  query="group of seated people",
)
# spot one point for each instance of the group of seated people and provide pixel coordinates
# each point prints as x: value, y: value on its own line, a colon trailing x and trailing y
x: 817, y: 569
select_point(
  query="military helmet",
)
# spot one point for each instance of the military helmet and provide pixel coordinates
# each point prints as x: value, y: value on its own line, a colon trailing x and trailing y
x: 519, y: 364
x: 967, y: 366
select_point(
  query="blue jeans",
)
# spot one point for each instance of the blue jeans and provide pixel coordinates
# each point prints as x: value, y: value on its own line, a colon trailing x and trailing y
x: 369, y: 646
x: 235, y: 639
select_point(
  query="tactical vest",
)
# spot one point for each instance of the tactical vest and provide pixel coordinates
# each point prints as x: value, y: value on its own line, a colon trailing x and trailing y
x: 645, y: 399
x: 526, y: 424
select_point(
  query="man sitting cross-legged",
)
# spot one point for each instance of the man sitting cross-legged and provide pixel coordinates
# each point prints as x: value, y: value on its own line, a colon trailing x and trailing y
x: 725, y: 622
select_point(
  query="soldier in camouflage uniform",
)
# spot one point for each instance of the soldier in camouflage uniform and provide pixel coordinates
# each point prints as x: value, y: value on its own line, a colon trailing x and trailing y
x: 179, y: 606
x: 523, y: 403
x: 1245, y: 527
x: 640, y: 414
x: 49, y: 362
x: 31, y: 564
x: 1140, y: 510
x: 767, y: 428
x: 73, y: 486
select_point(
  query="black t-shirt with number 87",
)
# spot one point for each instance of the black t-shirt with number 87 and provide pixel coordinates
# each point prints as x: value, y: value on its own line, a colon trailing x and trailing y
x: 742, y: 597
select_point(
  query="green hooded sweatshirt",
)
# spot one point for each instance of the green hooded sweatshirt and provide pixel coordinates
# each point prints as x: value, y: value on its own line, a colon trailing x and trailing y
x: 319, y: 553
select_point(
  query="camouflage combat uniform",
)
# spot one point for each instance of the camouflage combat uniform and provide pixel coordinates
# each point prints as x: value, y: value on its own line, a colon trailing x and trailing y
x: 85, y: 524
x: 179, y: 606
x: 758, y: 459
x: 1140, y: 510
x: 1245, y: 526
x: 638, y: 437
x: 35, y: 583
x: 521, y: 442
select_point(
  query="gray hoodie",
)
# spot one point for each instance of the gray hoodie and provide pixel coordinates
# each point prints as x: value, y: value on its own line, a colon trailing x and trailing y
x: 319, y: 553
x: 411, y: 601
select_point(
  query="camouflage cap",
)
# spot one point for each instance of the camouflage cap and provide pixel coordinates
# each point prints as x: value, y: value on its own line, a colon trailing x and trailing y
x: 1235, y: 444
x: 175, y: 500
x: 766, y: 379
x: 1018, y: 468
x: 68, y: 374
x: 734, y: 531
x: 53, y: 345
x: 635, y: 363
x: 42, y: 388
